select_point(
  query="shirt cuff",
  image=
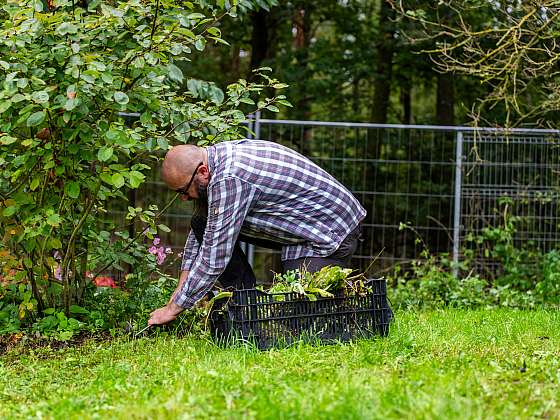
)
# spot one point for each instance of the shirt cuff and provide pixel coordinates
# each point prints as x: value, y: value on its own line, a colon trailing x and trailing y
x: 184, y: 302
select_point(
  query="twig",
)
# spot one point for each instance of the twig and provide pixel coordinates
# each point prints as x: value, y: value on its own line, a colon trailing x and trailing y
x: 137, y: 236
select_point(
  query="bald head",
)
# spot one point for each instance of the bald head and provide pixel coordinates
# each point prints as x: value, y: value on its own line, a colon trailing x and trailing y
x: 180, y: 163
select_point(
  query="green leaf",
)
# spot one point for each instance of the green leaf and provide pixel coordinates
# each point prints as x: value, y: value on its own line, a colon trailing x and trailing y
x: 163, y: 228
x: 136, y: 178
x: 117, y: 180
x: 215, y: 94
x: 247, y: 101
x: 175, y: 73
x: 55, y: 243
x: 285, y: 103
x: 107, y: 77
x: 106, y: 177
x: 195, y: 16
x: 75, y: 309
x: 18, y: 97
x: 36, y: 118
x: 34, y: 183
x: 214, y: 31
x: 72, y: 189
x: 105, y: 153
x: 22, y: 83
x: 7, y: 140
x: 200, y: 43
x: 9, y: 211
x: 272, y: 108
x: 66, y: 28
x: 163, y: 143
x: 121, y: 98
x: 113, y: 134
x: 54, y: 220
x: 70, y: 104
x: 146, y: 118
x: 40, y: 97
x: 5, y: 105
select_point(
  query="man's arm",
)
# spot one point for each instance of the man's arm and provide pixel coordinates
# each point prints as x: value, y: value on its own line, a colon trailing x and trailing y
x: 231, y: 200
x: 190, y: 251
x: 169, y: 312
x: 182, y: 279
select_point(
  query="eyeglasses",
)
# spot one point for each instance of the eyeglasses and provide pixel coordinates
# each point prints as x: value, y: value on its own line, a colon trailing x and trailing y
x: 184, y: 190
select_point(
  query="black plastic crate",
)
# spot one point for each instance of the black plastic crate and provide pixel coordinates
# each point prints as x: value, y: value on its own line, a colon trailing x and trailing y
x: 278, y: 319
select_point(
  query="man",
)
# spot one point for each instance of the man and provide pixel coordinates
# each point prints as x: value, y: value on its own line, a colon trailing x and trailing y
x: 262, y: 193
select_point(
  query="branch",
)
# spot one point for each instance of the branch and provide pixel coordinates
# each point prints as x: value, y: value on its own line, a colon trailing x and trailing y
x: 137, y: 236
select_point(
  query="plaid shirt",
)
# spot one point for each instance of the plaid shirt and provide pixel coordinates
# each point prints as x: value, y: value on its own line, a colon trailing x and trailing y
x: 266, y: 190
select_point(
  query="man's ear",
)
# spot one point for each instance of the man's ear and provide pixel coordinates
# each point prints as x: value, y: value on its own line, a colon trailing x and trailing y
x: 204, y: 172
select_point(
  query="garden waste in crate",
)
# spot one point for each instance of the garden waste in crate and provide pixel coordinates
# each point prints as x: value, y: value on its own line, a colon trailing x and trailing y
x: 276, y: 319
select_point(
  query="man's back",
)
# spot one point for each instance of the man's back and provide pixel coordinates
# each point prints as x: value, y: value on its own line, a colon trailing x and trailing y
x: 293, y: 200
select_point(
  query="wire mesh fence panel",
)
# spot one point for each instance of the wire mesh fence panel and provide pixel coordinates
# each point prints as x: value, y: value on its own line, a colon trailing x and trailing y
x: 401, y: 176
x: 511, y: 183
x: 406, y: 178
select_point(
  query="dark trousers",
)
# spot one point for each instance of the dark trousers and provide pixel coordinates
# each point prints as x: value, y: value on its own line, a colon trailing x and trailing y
x: 239, y: 274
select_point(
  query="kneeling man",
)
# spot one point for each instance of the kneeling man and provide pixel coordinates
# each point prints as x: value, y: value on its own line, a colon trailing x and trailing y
x: 262, y: 193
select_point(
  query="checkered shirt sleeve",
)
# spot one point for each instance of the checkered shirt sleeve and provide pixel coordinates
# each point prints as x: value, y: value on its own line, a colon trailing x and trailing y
x: 189, y: 252
x: 230, y: 199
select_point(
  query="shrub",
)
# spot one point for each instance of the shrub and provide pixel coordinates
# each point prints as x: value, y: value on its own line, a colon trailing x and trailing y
x: 497, y: 272
x: 68, y: 70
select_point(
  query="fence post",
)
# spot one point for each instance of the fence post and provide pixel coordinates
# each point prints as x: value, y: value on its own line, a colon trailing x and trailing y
x: 457, y: 204
x: 250, y: 125
x: 256, y: 127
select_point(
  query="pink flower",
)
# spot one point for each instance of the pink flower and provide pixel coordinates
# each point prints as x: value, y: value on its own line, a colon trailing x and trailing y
x: 160, y: 258
x: 156, y: 241
x: 152, y: 250
x: 58, y: 272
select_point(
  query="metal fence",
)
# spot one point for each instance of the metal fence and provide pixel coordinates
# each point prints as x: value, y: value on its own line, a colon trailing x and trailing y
x: 442, y: 182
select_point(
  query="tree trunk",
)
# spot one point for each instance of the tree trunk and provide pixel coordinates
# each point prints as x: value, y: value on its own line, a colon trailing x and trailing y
x: 406, y: 102
x: 445, y: 114
x: 235, y: 62
x: 301, y: 21
x: 259, y: 40
x: 385, y: 48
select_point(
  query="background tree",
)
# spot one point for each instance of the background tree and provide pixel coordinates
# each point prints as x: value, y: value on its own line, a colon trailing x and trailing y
x: 351, y: 59
x: 509, y: 46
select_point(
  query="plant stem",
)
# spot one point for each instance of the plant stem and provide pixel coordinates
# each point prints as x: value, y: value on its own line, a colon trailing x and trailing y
x: 69, y: 248
x: 35, y: 290
x: 154, y: 22
x: 169, y: 203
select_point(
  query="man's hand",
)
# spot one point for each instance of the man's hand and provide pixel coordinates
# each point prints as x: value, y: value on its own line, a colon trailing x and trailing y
x: 164, y: 315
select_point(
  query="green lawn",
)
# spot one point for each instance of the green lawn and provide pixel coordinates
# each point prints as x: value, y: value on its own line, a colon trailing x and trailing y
x: 460, y: 364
